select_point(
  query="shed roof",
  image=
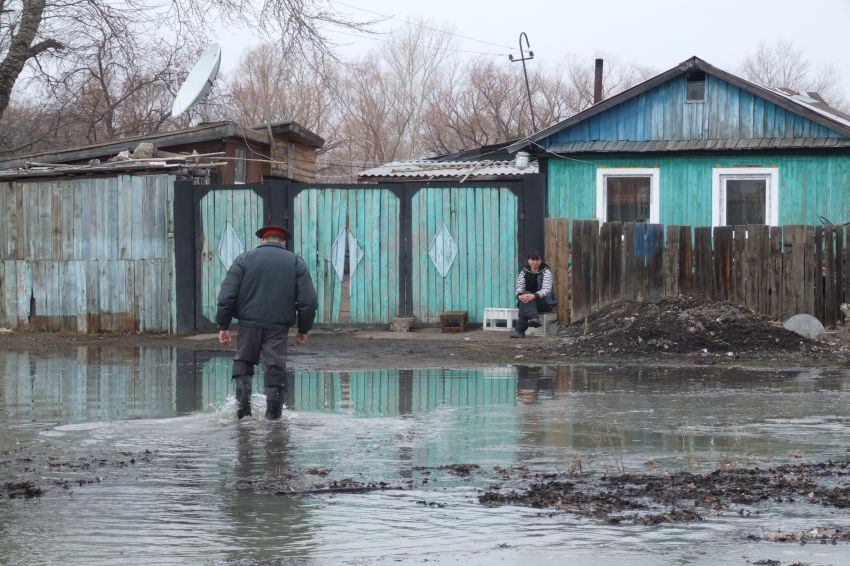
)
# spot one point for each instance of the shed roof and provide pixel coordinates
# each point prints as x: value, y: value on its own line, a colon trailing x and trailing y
x: 803, y: 105
x: 197, y: 134
x: 431, y: 170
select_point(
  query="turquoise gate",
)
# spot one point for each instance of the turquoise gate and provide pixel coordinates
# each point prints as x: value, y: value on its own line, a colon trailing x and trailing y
x: 464, y: 243
x: 374, y: 252
x: 350, y: 241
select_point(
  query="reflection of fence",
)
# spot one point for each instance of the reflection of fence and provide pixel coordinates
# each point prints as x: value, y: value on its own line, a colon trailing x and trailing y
x: 375, y: 393
x: 777, y: 271
x: 89, y: 384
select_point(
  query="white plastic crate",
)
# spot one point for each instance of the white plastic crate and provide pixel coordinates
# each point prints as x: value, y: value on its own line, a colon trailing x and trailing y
x: 500, y: 319
x: 548, y: 325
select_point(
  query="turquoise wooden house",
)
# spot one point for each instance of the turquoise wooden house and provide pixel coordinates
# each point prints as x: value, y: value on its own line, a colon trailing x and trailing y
x: 699, y: 146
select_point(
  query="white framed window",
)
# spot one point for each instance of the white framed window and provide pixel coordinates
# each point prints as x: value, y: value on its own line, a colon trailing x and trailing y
x: 626, y: 194
x: 745, y: 195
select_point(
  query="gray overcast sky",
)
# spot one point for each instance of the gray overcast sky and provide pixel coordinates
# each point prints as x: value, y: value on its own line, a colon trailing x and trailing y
x: 657, y: 33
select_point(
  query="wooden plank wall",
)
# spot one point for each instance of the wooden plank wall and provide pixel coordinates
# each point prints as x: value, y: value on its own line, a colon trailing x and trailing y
x: 775, y: 271
x: 88, y: 255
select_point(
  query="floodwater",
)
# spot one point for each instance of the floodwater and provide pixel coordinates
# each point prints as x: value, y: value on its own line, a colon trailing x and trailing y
x: 142, y: 460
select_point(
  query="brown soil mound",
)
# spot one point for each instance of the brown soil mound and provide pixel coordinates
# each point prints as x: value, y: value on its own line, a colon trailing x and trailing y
x: 680, y: 325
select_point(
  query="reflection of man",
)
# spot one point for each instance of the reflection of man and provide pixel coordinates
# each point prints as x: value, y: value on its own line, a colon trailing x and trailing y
x: 269, y: 290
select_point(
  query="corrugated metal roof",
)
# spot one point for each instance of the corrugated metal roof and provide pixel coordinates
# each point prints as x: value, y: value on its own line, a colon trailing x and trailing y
x: 422, y: 169
x: 814, y: 102
x: 693, y: 145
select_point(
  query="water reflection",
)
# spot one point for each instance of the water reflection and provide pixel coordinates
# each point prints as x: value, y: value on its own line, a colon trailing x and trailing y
x: 101, y: 384
x: 210, y: 489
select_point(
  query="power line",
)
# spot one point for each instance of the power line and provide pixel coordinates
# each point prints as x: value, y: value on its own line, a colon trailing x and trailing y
x: 381, y: 39
x: 423, y: 25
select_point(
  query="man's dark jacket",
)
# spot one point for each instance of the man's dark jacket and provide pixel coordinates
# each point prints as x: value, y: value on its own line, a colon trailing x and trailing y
x: 265, y: 288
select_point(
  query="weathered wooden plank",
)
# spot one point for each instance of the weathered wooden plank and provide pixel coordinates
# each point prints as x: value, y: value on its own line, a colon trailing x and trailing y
x: 23, y: 288
x: 640, y: 254
x: 686, y: 261
x: 56, y: 221
x: 816, y: 256
x: 839, y: 273
x: 22, y: 225
x: 617, y: 254
x: 416, y: 253
x: 793, y: 270
x: 654, y: 262
x: 830, y: 306
x: 812, y: 274
x: 10, y: 293
x: 580, y: 308
x: 723, y: 263
x: 739, y: 268
x: 51, y: 293
x: 775, y: 279
x: 553, y: 249
x: 671, y: 261
x: 77, y: 288
x: 757, y: 261
x: 605, y: 252
x: 6, y: 222
x: 703, y: 262
x: 629, y: 261
x: 125, y: 219
x: 594, y: 263
x: 4, y: 292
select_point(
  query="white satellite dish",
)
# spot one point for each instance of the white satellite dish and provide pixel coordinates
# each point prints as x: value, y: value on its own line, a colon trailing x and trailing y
x: 199, y: 82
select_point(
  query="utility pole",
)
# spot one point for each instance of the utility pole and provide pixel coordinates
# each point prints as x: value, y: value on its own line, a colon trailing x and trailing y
x: 523, y: 58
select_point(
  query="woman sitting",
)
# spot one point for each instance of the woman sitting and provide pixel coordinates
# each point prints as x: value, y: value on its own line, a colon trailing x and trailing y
x: 533, y: 292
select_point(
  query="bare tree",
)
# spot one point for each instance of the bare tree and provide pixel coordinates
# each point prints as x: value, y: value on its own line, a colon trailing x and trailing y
x: 617, y: 76
x: 55, y: 35
x: 784, y: 65
x: 383, y: 98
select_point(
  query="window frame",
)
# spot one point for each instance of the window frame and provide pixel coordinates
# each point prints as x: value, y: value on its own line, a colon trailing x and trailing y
x: 654, y: 175
x: 718, y: 191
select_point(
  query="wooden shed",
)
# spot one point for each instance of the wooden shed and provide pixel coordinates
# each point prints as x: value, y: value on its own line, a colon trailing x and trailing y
x: 699, y: 146
x: 249, y: 156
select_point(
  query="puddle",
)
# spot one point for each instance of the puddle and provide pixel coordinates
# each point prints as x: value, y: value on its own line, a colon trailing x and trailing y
x: 140, y: 459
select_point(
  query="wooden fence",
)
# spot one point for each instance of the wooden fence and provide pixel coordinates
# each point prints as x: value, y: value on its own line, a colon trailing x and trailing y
x: 776, y: 271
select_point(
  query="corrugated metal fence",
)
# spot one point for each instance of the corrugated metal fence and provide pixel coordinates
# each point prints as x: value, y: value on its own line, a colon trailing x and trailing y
x: 88, y: 255
x: 776, y: 271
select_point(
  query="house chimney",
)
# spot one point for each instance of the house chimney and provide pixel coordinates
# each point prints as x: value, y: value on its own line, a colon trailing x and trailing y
x: 597, y: 83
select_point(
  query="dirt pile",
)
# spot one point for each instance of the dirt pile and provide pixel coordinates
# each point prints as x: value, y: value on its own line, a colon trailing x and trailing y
x: 682, y: 325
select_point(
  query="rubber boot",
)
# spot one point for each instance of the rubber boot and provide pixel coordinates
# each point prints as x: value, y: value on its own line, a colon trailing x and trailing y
x: 274, y: 402
x: 243, y: 395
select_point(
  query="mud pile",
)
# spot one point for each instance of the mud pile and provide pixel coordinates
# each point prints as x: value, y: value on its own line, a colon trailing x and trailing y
x: 684, y: 497
x: 681, y: 325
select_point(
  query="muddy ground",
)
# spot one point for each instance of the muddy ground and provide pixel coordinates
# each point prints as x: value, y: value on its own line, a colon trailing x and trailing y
x: 678, y: 330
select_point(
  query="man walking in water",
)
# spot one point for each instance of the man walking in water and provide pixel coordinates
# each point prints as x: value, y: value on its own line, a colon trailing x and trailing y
x: 268, y: 289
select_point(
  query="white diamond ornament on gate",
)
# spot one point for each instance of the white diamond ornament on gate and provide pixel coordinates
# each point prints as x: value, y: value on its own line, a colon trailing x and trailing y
x: 229, y: 246
x: 355, y: 254
x: 443, y: 250
x: 338, y: 254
